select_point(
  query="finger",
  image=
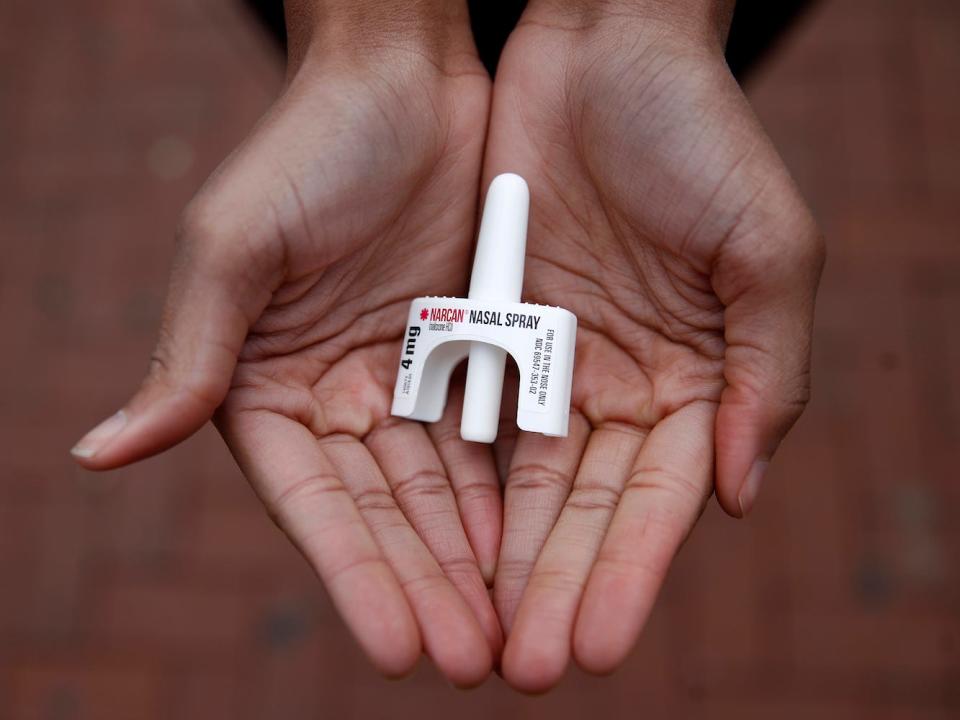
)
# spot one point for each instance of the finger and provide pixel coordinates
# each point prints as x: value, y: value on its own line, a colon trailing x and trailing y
x: 538, y: 483
x: 304, y: 492
x: 476, y: 486
x: 768, y: 286
x: 538, y: 650
x: 216, y: 290
x: 507, y: 436
x: 417, y: 480
x: 662, y: 499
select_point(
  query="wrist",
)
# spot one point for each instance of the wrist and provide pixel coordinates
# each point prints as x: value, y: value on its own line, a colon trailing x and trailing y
x: 702, y: 23
x: 363, y: 32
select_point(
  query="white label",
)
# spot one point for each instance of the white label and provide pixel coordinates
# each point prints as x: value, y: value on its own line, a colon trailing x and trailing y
x: 541, y: 340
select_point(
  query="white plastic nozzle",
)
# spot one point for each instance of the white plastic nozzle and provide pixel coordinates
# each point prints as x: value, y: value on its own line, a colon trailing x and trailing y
x: 497, y: 275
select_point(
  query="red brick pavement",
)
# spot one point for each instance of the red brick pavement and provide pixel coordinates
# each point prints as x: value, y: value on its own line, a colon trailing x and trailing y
x: 164, y: 591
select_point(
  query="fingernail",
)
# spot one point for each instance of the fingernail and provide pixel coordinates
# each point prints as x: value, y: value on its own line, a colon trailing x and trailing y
x: 751, y: 486
x: 93, y: 441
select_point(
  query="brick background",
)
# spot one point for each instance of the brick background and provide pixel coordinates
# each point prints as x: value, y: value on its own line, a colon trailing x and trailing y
x: 164, y: 591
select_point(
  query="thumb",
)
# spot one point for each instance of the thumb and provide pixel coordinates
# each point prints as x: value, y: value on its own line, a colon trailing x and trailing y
x: 215, y: 293
x: 767, y: 279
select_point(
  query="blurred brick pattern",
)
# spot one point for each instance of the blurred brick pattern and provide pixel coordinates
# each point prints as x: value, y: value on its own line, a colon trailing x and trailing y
x: 163, y: 591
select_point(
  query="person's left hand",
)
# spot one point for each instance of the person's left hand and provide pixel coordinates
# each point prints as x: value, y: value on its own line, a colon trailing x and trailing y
x: 663, y: 218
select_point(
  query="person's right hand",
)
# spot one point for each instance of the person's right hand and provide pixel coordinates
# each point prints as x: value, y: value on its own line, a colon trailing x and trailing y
x: 295, y: 266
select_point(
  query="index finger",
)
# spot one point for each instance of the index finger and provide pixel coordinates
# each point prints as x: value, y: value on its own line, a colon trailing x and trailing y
x: 305, y: 494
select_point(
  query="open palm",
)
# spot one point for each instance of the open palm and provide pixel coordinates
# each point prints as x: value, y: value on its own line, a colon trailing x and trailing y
x: 662, y: 217
x: 298, y: 259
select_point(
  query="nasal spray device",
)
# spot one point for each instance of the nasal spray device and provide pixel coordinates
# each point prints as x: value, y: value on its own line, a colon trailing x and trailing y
x: 487, y: 326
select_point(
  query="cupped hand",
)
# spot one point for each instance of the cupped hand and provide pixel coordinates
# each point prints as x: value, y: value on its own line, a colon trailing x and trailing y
x: 296, y: 263
x: 664, y: 219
